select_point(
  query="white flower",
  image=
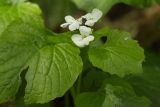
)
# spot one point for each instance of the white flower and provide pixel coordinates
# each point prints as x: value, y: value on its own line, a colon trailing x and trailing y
x: 82, y: 41
x: 92, y: 17
x: 85, y: 31
x: 71, y: 22
x: 84, y: 38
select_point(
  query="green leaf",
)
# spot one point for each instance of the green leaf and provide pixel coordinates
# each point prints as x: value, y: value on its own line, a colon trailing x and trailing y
x: 10, y: 2
x: 52, y: 68
x: 20, y: 103
x: 51, y: 72
x: 16, y: 1
x: 9, y: 51
x: 148, y: 83
x: 106, y: 5
x: 112, y: 95
x: 93, y: 80
x: 29, y: 13
x: 17, y: 44
x: 120, y: 54
x: 3, y: 2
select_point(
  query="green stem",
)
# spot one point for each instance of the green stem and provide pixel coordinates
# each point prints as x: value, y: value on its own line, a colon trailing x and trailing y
x: 79, y: 84
x: 76, y: 90
x: 67, y: 103
x: 73, y: 92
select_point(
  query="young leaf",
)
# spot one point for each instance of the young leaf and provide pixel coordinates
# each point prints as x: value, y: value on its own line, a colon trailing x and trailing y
x: 29, y: 13
x: 52, y: 68
x: 120, y: 54
x: 106, y: 5
x: 112, y: 95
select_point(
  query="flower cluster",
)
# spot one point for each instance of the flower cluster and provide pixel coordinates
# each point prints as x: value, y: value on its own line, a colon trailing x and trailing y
x: 83, y: 24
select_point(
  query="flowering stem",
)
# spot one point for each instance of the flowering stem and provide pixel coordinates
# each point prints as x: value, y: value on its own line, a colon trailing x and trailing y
x: 79, y: 84
x: 67, y: 103
x: 73, y: 92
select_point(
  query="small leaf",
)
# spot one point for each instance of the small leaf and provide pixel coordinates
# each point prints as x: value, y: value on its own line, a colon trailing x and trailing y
x: 120, y: 55
x: 112, y: 95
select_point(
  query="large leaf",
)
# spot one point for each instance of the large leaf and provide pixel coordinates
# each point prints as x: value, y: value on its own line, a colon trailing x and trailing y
x: 148, y: 84
x: 20, y: 103
x: 106, y: 5
x: 52, y: 68
x: 51, y: 72
x: 29, y: 13
x: 112, y: 95
x: 119, y: 55
x: 17, y: 44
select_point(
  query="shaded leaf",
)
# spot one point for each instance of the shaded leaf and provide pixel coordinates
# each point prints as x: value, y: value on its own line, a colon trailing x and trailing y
x: 54, y: 11
x: 112, y: 95
x: 93, y: 80
x: 106, y: 5
x: 148, y: 83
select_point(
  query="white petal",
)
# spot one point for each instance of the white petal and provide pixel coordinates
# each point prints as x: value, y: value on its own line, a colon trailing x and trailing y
x: 86, y: 42
x: 90, y: 22
x: 88, y: 16
x: 69, y: 19
x: 88, y: 39
x: 85, y: 31
x: 64, y: 25
x: 96, y: 14
x: 77, y: 37
x: 78, y: 40
x: 74, y: 26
